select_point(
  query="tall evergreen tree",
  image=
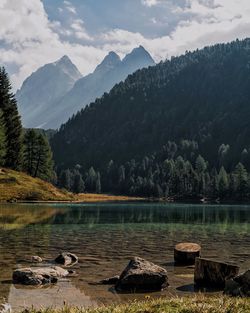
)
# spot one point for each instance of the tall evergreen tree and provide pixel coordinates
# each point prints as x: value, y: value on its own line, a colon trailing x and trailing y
x: 37, y: 156
x: 30, y: 152
x: 2, y: 140
x: 12, y: 123
x: 44, y: 161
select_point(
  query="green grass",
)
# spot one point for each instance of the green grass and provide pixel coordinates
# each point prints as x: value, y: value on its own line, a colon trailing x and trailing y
x: 196, y: 304
x: 18, y: 186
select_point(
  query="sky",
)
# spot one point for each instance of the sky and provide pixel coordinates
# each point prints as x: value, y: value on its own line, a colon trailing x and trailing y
x: 36, y: 32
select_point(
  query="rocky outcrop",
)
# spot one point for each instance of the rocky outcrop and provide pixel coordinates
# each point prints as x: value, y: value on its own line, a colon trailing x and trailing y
x: 66, y: 259
x: 239, y: 285
x: 142, y: 275
x: 38, y: 276
x: 212, y: 273
x: 186, y: 252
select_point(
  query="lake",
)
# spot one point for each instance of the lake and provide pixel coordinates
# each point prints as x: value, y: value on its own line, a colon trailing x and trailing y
x: 105, y: 237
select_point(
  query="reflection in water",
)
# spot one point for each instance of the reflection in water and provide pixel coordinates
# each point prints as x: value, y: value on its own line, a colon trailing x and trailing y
x: 106, y: 236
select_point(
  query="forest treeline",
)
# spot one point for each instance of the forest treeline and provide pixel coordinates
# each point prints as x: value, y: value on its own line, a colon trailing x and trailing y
x: 25, y: 150
x: 176, y: 171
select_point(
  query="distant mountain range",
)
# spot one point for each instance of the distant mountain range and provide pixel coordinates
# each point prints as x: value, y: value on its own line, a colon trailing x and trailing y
x: 56, y: 91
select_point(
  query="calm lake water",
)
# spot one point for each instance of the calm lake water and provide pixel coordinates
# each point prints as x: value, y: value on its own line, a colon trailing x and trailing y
x: 105, y: 237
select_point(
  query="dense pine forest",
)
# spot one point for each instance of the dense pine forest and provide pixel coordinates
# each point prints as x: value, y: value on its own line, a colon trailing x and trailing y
x: 180, y: 128
x: 22, y: 150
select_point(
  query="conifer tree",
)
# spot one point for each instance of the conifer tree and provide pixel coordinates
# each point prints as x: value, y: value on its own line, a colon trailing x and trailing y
x: 37, y: 156
x: 12, y: 121
x: 44, y: 161
x: 78, y: 183
x: 30, y: 152
x: 2, y: 140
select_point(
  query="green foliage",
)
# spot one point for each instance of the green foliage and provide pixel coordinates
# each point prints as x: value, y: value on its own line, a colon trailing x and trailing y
x: 195, y: 304
x: 2, y: 140
x: 37, y: 155
x: 12, y: 122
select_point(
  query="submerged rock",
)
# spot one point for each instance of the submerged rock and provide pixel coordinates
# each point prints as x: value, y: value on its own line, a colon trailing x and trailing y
x: 38, y: 276
x: 142, y: 275
x: 110, y: 281
x: 238, y: 286
x: 186, y: 252
x: 66, y: 259
x: 212, y: 273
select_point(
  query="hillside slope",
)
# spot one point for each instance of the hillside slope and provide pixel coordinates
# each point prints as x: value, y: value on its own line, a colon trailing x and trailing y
x: 19, y: 186
x: 202, y: 96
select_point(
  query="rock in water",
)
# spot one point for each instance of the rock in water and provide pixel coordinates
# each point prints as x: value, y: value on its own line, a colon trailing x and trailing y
x: 238, y: 286
x: 141, y: 275
x: 36, y: 259
x: 186, y: 252
x: 66, y: 259
x: 213, y: 273
x: 38, y: 276
x: 110, y: 281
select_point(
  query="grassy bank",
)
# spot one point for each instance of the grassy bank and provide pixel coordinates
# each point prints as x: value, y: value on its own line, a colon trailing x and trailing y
x: 18, y: 186
x: 197, y: 304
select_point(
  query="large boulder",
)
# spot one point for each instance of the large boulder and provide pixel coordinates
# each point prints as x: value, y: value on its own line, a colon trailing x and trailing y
x: 142, y: 275
x: 38, y: 276
x: 185, y: 253
x: 238, y: 286
x: 212, y: 273
x: 66, y: 259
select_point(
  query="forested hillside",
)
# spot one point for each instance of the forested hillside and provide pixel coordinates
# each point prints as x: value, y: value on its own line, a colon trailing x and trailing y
x: 200, y: 97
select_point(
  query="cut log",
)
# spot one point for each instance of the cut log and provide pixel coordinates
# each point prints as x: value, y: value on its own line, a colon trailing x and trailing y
x: 212, y: 273
x: 186, y: 252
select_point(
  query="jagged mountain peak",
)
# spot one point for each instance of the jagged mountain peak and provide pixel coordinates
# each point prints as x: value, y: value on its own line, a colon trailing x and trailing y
x: 139, y: 53
x: 110, y: 61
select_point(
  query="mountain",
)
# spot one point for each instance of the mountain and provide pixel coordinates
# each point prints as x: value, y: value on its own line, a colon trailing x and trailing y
x: 54, y: 92
x: 112, y: 70
x: 202, y: 96
x: 43, y: 88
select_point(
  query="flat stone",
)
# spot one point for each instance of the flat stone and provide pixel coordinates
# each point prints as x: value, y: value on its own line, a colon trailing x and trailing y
x: 186, y: 252
x: 38, y: 276
x: 142, y: 275
x: 213, y: 273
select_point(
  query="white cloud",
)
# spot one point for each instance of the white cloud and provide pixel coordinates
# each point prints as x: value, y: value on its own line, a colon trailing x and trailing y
x: 79, y: 30
x: 69, y: 7
x: 29, y: 39
x: 150, y: 3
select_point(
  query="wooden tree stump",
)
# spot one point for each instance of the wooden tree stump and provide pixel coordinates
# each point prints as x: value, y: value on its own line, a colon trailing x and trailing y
x: 186, y: 252
x: 213, y: 273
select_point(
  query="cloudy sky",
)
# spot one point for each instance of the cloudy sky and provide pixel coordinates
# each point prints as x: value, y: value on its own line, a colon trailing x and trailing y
x: 35, y: 32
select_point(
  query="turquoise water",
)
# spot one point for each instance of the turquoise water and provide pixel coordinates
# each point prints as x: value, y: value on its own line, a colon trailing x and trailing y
x: 105, y: 237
